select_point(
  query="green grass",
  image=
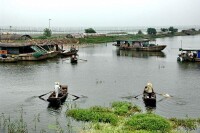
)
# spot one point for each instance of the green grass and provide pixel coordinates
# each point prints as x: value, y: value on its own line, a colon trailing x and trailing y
x: 93, y: 116
x: 188, y: 123
x: 149, y: 122
x: 124, y: 108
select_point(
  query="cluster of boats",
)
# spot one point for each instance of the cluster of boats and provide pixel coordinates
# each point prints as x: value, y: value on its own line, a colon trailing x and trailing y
x: 186, y: 55
x: 14, y: 52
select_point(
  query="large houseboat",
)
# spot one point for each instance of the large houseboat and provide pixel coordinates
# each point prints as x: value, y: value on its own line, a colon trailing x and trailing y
x: 189, y: 55
x: 139, y: 45
x: 26, y: 51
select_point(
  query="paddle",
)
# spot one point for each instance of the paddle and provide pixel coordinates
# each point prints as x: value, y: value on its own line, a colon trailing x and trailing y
x: 44, y: 94
x: 74, y: 95
x: 165, y: 95
x: 83, y: 59
x: 137, y: 96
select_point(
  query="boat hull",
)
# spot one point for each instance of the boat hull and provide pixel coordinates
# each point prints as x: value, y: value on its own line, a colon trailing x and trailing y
x: 73, y: 60
x: 31, y: 57
x: 68, y: 53
x: 157, y: 48
x: 8, y: 60
x: 149, y: 101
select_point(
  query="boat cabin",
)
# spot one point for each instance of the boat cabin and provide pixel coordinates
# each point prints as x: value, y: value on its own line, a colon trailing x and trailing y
x: 135, y: 43
x: 139, y: 45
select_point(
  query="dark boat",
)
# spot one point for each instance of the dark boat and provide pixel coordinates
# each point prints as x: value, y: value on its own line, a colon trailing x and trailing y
x: 73, y: 59
x: 189, y: 55
x: 53, y: 101
x: 72, y: 51
x: 149, y: 101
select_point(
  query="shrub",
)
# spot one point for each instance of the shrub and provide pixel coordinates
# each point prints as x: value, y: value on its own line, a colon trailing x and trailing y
x: 47, y: 32
x: 149, y: 122
x: 151, y: 31
x: 90, y: 30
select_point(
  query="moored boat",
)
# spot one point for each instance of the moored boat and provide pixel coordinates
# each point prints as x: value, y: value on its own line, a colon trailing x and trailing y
x: 189, y: 55
x: 139, y: 45
x: 69, y: 53
x: 28, y: 51
x: 53, y: 101
x: 149, y: 101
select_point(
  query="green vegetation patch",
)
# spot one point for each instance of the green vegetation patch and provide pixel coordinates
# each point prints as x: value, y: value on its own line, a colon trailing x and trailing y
x: 124, y: 108
x: 92, y: 115
x: 149, y: 122
x: 188, y: 123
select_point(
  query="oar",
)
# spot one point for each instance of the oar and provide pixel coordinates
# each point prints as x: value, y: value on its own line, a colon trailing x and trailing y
x: 74, y: 95
x: 165, y: 95
x: 83, y: 59
x: 44, y: 94
x: 137, y: 96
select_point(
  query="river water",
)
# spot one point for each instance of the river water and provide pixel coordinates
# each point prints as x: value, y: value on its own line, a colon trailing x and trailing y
x: 108, y: 75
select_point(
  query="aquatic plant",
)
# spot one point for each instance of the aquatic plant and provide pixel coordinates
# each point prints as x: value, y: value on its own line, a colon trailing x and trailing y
x: 188, y: 123
x: 149, y: 122
x: 92, y: 115
x: 124, y: 108
x: 16, y: 126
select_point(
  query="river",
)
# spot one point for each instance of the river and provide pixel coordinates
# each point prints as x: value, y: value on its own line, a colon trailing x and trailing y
x: 108, y: 75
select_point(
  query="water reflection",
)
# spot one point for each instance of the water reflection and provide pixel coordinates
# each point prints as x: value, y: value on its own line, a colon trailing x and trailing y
x: 189, y: 65
x: 139, y: 54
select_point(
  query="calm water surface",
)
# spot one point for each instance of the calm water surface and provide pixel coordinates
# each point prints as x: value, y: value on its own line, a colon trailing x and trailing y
x: 108, y: 75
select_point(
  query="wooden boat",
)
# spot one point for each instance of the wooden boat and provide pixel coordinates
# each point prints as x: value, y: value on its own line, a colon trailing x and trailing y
x: 149, y: 101
x: 139, y: 45
x: 28, y: 51
x: 53, y: 101
x: 189, y: 55
x: 73, y: 59
x: 69, y: 53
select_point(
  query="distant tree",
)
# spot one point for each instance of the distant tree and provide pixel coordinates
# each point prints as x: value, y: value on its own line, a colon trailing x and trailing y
x: 47, y: 32
x: 140, y: 32
x: 90, y: 30
x: 173, y: 30
x: 151, y: 31
x: 164, y: 29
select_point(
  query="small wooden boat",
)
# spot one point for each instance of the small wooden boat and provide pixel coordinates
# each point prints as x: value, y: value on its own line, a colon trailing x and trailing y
x: 69, y: 53
x: 73, y: 59
x: 53, y: 101
x: 149, y: 101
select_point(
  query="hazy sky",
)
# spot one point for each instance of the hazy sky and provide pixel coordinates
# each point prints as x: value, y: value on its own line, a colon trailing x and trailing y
x: 94, y: 13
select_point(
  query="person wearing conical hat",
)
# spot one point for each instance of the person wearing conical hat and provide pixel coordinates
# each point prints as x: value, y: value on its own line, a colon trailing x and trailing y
x: 149, y: 89
x: 57, y: 88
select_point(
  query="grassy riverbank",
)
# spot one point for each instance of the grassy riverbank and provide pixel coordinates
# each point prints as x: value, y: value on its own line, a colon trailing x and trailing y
x: 125, y: 117
x: 87, y: 40
x: 106, y: 39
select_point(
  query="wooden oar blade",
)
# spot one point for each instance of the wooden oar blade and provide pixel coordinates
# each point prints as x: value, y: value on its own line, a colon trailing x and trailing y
x: 44, y: 94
